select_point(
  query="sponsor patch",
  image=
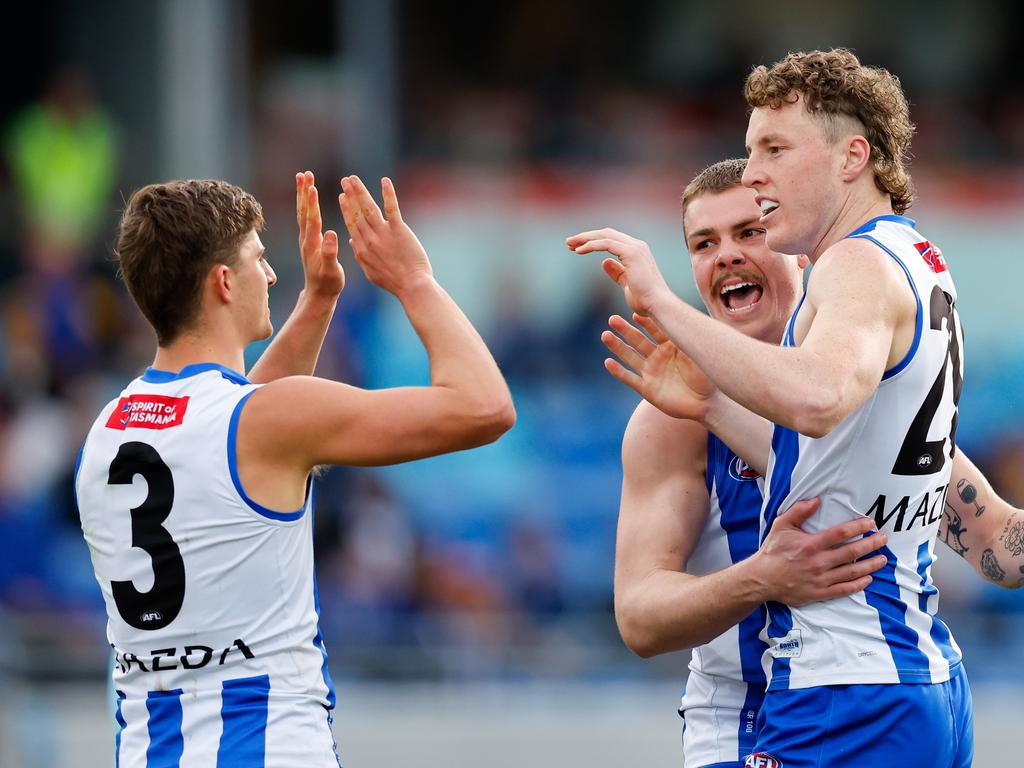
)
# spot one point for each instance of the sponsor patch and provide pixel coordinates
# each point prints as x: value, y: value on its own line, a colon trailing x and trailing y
x: 932, y: 256
x: 740, y: 470
x: 786, y: 647
x: 761, y: 760
x: 148, y: 412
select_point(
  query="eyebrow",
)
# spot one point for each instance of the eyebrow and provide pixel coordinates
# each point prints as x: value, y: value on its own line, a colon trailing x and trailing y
x: 710, y: 231
x: 770, y: 138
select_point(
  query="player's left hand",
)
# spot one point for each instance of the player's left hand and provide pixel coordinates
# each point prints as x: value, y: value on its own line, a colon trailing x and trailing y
x: 633, y: 268
x: 325, y: 277
x: 656, y: 369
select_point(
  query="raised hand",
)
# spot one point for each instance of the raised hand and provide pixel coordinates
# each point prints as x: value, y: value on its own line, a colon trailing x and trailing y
x: 387, y: 250
x: 801, y: 567
x: 633, y: 268
x: 324, y: 276
x: 656, y: 369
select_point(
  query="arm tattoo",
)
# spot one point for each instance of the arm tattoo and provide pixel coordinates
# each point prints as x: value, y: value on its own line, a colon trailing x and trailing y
x: 969, y: 495
x: 953, y: 530
x: 1013, y: 536
x: 990, y: 566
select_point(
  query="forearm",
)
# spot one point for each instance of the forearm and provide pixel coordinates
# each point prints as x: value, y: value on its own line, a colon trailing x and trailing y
x: 787, y: 386
x: 748, y: 435
x: 296, y: 347
x: 668, y: 611
x: 459, y: 359
x: 983, y: 528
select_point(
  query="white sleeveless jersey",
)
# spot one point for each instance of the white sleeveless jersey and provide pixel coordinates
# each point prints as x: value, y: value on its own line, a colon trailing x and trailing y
x: 889, y: 460
x: 726, y: 684
x: 211, y: 602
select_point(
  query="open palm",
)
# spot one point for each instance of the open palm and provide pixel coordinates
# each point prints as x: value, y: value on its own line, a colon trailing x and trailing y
x: 656, y: 369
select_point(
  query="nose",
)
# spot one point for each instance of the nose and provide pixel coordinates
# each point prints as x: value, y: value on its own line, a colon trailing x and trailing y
x: 271, y: 275
x: 752, y: 174
x: 730, y: 255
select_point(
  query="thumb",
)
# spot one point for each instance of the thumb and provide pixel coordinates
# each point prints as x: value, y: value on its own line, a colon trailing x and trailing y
x: 800, y: 512
x: 615, y: 271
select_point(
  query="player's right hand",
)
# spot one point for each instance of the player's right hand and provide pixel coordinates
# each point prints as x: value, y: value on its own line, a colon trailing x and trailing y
x: 656, y: 369
x: 801, y: 568
x: 387, y: 250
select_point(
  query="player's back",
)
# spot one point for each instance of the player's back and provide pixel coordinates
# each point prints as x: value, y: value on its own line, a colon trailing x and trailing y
x: 891, y: 460
x: 210, y: 597
x: 726, y: 684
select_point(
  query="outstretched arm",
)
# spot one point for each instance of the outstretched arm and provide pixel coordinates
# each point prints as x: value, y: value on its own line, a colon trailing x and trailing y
x: 296, y: 347
x: 856, y: 300
x: 981, y: 527
x: 295, y: 423
x: 660, y: 607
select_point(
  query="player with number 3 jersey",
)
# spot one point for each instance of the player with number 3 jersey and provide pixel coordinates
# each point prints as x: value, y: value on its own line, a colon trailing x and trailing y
x: 195, y: 486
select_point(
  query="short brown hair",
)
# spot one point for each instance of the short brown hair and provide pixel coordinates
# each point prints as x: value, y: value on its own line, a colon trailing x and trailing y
x: 834, y: 84
x: 170, y: 236
x: 716, y: 178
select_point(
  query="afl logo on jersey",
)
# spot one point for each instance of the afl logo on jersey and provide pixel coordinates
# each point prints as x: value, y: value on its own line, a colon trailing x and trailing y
x: 151, y: 616
x: 761, y: 760
x: 740, y: 470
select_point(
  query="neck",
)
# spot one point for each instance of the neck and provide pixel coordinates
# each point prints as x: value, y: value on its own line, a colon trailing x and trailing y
x: 188, y: 349
x: 853, y: 214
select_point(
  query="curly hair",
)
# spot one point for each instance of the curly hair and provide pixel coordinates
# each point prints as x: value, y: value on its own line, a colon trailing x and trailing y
x: 835, y: 85
x: 716, y: 178
x: 170, y: 236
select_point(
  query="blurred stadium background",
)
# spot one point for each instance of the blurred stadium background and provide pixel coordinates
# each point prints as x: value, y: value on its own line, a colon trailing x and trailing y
x: 466, y: 600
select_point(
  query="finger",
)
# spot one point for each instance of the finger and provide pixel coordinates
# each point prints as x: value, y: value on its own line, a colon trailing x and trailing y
x: 855, y: 550
x: 653, y: 329
x: 300, y: 201
x: 623, y: 374
x: 329, y: 249
x: 633, y: 336
x: 837, y: 534
x: 314, y: 223
x: 348, y: 212
x: 858, y: 570
x: 615, y: 271
x: 622, y: 350
x: 601, y: 244
x: 594, y: 234
x: 364, y: 201
x: 846, y: 588
x: 799, y: 513
x: 351, y: 222
x: 390, y: 197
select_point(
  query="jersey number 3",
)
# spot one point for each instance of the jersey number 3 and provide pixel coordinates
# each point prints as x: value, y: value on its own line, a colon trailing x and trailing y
x: 159, y: 606
x: 919, y: 455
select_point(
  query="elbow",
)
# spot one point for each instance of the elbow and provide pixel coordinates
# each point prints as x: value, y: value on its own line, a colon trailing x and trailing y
x: 636, y: 634
x: 490, y: 420
x: 817, y: 413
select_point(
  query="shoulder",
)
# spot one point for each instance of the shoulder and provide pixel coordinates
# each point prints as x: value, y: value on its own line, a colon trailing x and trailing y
x: 861, y: 271
x: 655, y: 442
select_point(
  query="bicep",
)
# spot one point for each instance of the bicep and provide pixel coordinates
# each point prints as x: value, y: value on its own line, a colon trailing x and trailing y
x: 664, y: 502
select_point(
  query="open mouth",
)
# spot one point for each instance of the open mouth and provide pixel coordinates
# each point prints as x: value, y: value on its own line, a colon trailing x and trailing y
x: 767, y: 208
x: 741, y: 296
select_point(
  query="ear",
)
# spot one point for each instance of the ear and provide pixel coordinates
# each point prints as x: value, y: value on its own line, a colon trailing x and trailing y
x: 858, y: 157
x: 802, y: 261
x: 220, y: 281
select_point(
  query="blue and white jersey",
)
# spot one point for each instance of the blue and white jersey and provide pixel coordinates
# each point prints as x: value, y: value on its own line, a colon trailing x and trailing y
x: 890, y: 460
x: 211, y: 601
x: 726, y: 684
